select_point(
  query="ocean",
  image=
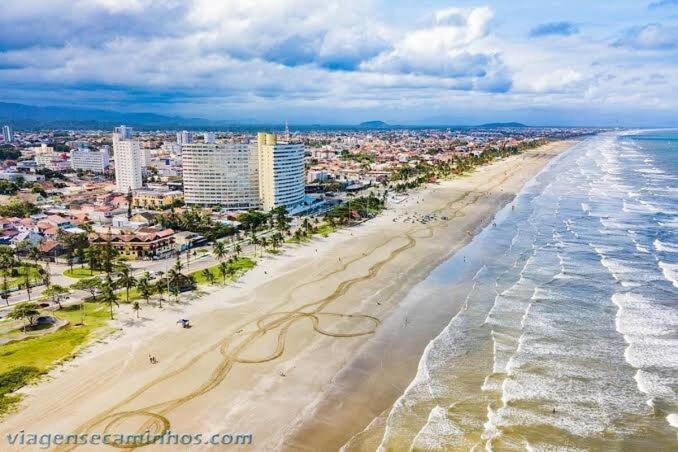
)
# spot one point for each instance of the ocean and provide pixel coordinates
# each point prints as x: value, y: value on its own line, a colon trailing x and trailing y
x: 568, y: 335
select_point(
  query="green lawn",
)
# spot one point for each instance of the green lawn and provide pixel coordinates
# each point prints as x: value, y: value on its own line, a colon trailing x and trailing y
x: 323, y: 230
x: 241, y: 265
x: 22, y: 361
x: 81, y: 273
x: 16, y: 281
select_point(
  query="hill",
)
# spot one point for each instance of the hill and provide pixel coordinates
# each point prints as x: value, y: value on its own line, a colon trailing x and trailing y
x: 28, y: 117
x: 500, y: 125
x: 374, y: 125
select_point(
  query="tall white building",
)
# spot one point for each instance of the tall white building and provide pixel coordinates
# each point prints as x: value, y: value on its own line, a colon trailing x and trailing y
x: 281, y: 172
x: 222, y: 174
x: 124, y: 132
x: 7, y: 134
x: 209, y: 137
x: 44, y: 155
x: 87, y: 160
x: 127, y: 155
x: 184, y: 137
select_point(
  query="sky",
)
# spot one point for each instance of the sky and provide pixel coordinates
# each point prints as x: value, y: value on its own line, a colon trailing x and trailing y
x: 574, y: 62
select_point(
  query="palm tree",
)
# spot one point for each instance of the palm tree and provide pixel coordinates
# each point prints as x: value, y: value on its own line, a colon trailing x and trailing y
x: 159, y: 288
x: 237, y: 249
x: 56, y: 292
x: 209, y: 276
x: 145, y: 288
x: 178, y: 266
x: 219, y: 250
x: 127, y: 281
x: 224, y: 270
x: 108, y: 294
x: 136, y: 307
x: 26, y: 311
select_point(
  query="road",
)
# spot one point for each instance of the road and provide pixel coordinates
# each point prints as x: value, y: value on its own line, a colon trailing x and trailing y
x: 195, y: 263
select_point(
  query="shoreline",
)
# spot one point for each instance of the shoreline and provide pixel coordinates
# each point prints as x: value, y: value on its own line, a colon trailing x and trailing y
x: 269, y: 336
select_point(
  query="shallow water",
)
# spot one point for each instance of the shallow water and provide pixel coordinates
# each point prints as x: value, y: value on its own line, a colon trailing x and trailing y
x: 568, y: 337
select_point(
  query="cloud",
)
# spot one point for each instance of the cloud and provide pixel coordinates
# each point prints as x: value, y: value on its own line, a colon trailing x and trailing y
x: 649, y: 37
x: 239, y: 57
x: 662, y: 4
x: 554, y: 29
x: 453, y: 47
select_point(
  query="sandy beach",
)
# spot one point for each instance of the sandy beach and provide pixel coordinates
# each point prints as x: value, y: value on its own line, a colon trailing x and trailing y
x: 302, y: 352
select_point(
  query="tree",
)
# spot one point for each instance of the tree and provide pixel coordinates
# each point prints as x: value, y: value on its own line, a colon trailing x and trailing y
x: 4, y: 294
x: 91, y: 285
x: 108, y: 294
x: 56, y: 293
x: 209, y: 276
x: 255, y: 241
x: 145, y: 287
x: 34, y: 254
x: 237, y: 249
x: 129, y: 204
x: 219, y: 250
x: 127, y: 281
x: 136, y: 307
x: 159, y: 288
x: 93, y: 256
x: 224, y: 270
x: 27, y: 282
x: 7, y: 263
x: 25, y: 311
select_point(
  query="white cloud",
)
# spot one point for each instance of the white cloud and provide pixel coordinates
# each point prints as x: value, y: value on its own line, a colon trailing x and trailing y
x: 452, y: 47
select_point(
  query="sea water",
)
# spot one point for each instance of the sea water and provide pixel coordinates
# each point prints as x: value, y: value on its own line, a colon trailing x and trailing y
x: 568, y: 335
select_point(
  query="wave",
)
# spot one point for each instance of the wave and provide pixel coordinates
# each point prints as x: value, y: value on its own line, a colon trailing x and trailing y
x: 670, y: 272
x: 665, y: 247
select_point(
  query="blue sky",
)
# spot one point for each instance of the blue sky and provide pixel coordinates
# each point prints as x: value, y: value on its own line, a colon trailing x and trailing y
x: 346, y: 61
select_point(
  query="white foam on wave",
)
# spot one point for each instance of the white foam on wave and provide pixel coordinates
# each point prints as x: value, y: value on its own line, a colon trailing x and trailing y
x: 642, y: 249
x: 670, y: 272
x: 639, y: 208
x: 670, y: 223
x: 437, y: 431
x: 665, y: 246
x: 650, y: 171
x: 672, y: 419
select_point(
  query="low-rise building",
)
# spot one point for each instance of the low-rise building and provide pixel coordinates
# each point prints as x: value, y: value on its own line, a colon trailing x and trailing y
x: 151, y: 199
x: 143, y: 244
x: 87, y: 160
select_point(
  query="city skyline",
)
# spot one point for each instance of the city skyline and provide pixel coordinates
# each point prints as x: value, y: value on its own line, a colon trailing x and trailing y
x: 346, y: 62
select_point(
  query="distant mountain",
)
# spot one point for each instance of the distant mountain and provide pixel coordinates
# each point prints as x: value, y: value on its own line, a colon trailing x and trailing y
x: 374, y: 125
x: 28, y: 116
x: 500, y: 125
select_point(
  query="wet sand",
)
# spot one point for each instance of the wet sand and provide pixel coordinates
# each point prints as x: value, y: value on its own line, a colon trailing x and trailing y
x: 302, y: 352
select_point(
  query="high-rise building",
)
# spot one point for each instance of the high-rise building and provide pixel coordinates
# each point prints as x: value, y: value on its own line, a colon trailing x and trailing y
x: 184, y: 137
x: 222, y: 174
x: 281, y: 172
x: 87, y: 160
x: 7, y: 134
x: 124, y: 132
x: 209, y: 137
x: 127, y: 155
